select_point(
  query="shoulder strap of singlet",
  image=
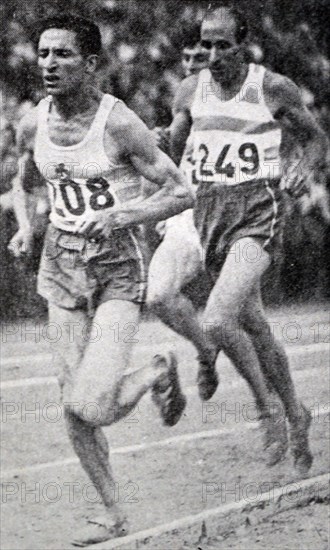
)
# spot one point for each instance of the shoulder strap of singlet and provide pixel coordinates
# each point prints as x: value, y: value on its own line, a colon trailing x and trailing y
x: 43, y: 110
x: 204, y: 77
x: 252, y: 91
x: 99, y: 123
x: 42, y: 130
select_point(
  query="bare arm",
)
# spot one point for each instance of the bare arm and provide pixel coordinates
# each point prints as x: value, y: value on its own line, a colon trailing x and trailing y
x: 22, y: 241
x: 181, y: 124
x: 137, y: 145
x: 304, y: 159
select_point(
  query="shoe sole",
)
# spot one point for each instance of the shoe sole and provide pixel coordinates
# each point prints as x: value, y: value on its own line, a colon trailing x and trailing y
x: 177, y: 401
x: 118, y: 531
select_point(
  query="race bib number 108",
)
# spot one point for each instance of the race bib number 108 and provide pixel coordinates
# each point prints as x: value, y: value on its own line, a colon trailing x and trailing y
x: 75, y: 198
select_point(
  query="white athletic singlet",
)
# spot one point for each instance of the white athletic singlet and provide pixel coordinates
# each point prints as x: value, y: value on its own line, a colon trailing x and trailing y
x: 80, y: 177
x: 237, y: 140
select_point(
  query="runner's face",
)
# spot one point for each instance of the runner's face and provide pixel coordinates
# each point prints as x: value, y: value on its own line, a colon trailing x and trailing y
x: 61, y: 61
x: 218, y: 35
x: 194, y: 59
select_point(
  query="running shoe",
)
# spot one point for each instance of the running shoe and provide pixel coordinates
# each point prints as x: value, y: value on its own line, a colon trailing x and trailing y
x: 299, y: 444
x: 101, y: 530
x: 207, y: 377
x: 166, y: 393
x: 275, y: 435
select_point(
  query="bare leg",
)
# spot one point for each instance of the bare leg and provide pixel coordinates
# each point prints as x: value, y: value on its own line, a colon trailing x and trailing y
x: 88, y: 441
x: 92, y: 383
x: 229, y: 303
x: 91, y: 447
x: 173, y: 265
x: 101, y: 378
x: 275, y: 367
x: 222, y: 317
x: 272, y: 357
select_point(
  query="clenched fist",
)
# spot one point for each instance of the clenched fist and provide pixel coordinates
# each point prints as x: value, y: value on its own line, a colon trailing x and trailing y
x: 21, y: 243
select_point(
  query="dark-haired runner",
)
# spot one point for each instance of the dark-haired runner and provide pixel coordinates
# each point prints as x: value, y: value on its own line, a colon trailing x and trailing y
x: 240, y: 115
x: 92, y: 150
x: 178, y: 259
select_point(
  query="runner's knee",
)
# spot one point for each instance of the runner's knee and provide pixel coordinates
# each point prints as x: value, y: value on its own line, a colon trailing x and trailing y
x: 220, y: 315
x: 161, y: 299
x: 254, y: 322
x: 222, y: 327
x: 97, y: 406
x: 63, y: 373
x: 95, y: 414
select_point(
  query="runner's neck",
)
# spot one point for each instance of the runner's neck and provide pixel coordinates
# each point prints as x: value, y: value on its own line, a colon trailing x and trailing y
x: 67, y: 107
x: 226, y: 91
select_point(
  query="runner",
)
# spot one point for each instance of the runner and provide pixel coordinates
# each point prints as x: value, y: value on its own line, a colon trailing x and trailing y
x: 178, y: 259
x: 92, y: 150
x: 242, y: 117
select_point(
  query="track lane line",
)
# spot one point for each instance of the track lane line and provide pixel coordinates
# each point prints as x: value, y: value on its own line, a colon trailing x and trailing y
x: 317, y: 482
x: 174, y: 440
x: 36, y: 381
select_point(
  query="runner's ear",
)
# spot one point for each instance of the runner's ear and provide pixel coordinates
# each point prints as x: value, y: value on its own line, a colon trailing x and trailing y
x: 91, y: 63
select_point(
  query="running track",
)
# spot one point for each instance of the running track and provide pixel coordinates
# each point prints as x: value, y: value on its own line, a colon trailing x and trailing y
x: 177, y: 474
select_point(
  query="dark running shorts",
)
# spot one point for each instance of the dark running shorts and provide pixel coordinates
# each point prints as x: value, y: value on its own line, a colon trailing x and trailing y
x: 76, y: 273
x: 224, y: 214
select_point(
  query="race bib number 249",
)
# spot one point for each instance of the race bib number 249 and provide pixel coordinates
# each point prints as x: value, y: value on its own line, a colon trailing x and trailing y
x: 235, y: 163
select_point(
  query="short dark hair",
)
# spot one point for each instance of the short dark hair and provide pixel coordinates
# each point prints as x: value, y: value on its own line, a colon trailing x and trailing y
x: 242, y: 27
x: 190, y: 35
x: 87, y: 32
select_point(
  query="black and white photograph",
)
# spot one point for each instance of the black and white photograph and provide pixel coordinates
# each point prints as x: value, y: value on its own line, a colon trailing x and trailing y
x: 165, y: 274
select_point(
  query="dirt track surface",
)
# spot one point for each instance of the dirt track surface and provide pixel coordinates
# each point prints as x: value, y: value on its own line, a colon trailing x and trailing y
x: 300, y: 528
x: 157, y: 483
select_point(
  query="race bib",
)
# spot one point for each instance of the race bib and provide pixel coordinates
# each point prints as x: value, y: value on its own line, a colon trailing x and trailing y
x: 231, y: 159
x: 72, y: 199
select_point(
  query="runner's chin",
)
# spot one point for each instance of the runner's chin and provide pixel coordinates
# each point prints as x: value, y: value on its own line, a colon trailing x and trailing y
x: 221, y: 72
x: 52, y: 86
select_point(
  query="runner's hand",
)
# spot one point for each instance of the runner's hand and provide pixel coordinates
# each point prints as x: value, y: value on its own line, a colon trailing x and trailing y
x: 100, y: 226
x: 21, y: 243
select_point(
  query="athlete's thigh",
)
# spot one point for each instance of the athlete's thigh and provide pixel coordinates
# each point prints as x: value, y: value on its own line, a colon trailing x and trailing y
x: 239, y: 277
x: 252, y: 314
x: 115, y: 329
x: 253, y: 306
x: 174, y: 264
x: 69, y: 334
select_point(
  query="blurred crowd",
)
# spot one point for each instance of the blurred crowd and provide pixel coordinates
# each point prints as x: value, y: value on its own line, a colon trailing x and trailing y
x: 141, y: 64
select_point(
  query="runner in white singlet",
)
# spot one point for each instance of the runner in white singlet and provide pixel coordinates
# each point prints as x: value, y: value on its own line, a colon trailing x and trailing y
x: 81, y: 178
x: 92, y: 150
x: 178, y: 260
x: 240, y: 115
